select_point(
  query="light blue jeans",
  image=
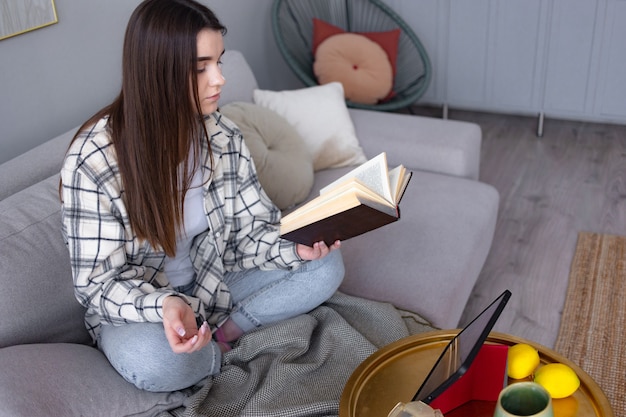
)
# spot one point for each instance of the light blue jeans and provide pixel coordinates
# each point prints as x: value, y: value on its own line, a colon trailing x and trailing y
x: 141, y: 354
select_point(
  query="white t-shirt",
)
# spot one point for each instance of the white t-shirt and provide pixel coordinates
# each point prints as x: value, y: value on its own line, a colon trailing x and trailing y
x: 178, y: 269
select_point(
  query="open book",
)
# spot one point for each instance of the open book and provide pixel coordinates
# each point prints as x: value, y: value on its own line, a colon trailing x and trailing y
x: 364, y: 199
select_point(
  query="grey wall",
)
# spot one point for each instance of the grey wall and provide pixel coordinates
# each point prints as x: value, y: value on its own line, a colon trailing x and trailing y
x: 52, y: 79
x: 249, y: 31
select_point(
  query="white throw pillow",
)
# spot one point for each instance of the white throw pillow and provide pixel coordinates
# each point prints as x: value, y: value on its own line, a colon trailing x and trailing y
x: 319, y: 114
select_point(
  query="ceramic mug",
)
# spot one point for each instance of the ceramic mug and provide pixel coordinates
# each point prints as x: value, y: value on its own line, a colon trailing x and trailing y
x: 524, y: 399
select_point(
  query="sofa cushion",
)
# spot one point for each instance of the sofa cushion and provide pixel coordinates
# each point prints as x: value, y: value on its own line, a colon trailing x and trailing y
x: 359, y: 64
x: 437, y: 247
x: 35, y: 165
x: 37, y: 301
x: 62, y: 379
x: 321, y: 117
x: 283, y: 163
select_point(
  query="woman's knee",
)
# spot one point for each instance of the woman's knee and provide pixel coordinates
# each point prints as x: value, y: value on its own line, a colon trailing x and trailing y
x: 140, y: 353
x: 334, y: 267
x: 327, y: 273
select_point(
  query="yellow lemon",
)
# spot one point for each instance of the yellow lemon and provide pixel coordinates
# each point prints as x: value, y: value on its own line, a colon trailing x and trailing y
x: 523, y: 359
x: 558, y: 379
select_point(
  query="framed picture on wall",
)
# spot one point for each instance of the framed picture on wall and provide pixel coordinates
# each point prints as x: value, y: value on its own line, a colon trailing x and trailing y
x: 20, y: 16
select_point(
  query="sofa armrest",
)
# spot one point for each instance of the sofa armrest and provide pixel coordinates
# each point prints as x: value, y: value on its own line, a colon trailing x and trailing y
x: 420, y: 143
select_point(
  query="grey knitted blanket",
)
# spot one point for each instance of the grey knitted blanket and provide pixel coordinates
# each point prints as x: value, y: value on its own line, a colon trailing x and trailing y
x: 300, y: 366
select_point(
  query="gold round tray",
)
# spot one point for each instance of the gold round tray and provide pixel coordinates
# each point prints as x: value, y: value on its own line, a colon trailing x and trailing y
x: 394, y: 373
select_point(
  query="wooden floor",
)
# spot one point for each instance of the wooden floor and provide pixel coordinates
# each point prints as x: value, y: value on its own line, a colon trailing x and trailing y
x: 572, y: 179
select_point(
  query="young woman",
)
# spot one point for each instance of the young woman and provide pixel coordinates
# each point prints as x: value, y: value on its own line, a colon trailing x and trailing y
x: 174, y: 246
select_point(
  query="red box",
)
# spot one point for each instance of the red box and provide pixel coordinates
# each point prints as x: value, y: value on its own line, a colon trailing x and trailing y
x: 483, y: 381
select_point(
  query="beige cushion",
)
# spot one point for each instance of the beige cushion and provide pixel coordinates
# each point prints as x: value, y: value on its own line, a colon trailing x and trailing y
x: 283, y: 163
x: 321, y: 117
x: 360, y: 64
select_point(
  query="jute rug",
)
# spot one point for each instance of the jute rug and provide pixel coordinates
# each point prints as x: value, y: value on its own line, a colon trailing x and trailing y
x: 593, y: 325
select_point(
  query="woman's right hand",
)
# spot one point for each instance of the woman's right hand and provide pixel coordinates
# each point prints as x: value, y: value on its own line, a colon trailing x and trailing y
x: 317, y: 251
x: 179, y: 323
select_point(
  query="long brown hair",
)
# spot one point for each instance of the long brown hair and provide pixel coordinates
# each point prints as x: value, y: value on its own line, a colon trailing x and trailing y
x: 153, y: 123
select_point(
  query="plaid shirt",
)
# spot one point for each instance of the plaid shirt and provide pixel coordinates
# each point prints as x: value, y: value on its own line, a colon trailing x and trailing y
x: 119, y: 278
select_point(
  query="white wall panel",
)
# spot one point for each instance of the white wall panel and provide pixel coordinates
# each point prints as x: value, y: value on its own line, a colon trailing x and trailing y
x: 467, y: 52
x: 612, y: 100
x: 570, y: 55
x: 426, y: 19
x: 516, y: 63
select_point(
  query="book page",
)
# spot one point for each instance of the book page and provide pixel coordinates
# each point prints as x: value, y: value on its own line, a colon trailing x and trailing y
x: 402, y: 186
x: 331, y: 208
x: 326, y: 203
x: 396, y: 177
x: 372, y: 173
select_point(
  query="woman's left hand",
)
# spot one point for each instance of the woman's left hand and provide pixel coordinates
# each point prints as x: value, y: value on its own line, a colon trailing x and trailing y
x: 179, y: 324
x: 317, y: 251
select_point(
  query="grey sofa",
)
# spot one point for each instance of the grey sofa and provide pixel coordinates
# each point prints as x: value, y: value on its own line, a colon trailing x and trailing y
x: 427, y: 262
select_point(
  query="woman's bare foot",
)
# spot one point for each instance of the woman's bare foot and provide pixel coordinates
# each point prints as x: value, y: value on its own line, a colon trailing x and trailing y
x: 228, y: 332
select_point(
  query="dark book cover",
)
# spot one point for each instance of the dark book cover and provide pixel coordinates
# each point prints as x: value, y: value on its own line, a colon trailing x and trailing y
x: 343, y: 226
